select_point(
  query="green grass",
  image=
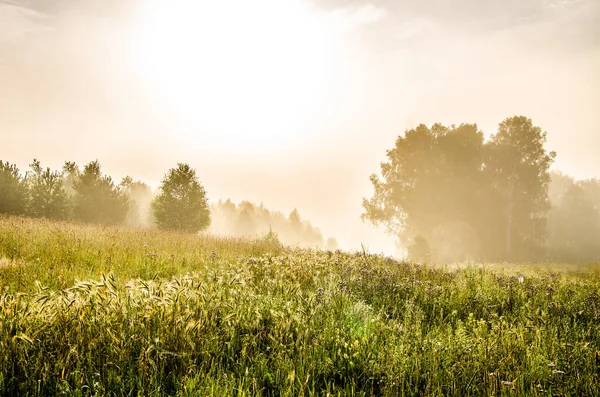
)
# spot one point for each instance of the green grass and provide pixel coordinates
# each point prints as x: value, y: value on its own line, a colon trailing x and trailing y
x: 87, y: 310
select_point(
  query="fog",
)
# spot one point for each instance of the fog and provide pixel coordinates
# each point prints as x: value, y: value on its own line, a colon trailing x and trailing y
x: 248, y: 220
x: 292, y: 104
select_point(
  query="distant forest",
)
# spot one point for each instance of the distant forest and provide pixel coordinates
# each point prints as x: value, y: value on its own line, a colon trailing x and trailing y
x: 86, y: 195
x: 247, y: 219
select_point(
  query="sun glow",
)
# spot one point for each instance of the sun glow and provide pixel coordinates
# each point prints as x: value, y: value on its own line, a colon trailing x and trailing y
x: 240, y: 74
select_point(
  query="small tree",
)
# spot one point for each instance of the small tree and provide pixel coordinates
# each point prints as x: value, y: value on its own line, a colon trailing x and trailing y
x: 13, y: 190
x: 47, y: 196
x: 181, y: 203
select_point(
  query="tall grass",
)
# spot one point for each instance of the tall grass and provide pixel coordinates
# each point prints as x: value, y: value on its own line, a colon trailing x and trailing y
x: 57, y: 254
x: 104, y: 311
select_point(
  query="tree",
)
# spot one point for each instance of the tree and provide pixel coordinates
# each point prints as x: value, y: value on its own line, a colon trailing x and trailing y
x: 574, y: 219
x: 559, y: 185
x: 97, y: 199
x: 302, y: 233
x: 140, y: 200
x: 181, y: 203
x: 518, y: 166
x: 47, y: 196
x: 591, y: 190
x: 574, y: 225
x: 433, y: 179
x: 248, y: 219
x: 70, y: 172
x: 446, y: 185
x: 13, y: 190
x: 295, y: 220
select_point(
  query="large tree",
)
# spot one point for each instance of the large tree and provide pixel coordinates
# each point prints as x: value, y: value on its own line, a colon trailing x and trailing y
x: 431, y: 187
x: 97, y: 198
x: 181, y: 204
x: 517, y: 165
x: 446, y: 188
x: 47, y: 196
x: 13, y: 190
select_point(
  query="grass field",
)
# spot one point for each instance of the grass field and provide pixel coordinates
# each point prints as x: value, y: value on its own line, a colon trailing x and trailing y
x: 87, y: 310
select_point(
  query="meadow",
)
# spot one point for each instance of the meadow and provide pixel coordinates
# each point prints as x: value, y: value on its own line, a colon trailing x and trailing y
x: 89, y: 310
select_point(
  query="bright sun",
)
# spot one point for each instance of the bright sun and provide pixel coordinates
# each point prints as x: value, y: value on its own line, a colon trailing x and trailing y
x: 241, y: 74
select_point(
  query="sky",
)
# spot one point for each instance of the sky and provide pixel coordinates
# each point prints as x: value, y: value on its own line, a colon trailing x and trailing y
x: 292, y: 103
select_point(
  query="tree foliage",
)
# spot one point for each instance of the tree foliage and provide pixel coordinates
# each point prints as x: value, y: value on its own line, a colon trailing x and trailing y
x: 181, y: 203
x: 140, y: 200
x: 97, y: 199
x: 13, y: 190
x: 433, y: 179
x: 47, y: 196
x: 467, y: 198
x: 71, y: 173
x: 574, y: 219
x: 518, y: 167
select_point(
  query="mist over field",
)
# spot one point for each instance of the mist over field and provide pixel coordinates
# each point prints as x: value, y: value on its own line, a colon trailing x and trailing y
x: 299, y: 198
x: 292, y: 104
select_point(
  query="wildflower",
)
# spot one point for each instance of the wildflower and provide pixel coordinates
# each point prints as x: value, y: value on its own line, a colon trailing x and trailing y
x: 540, y: 388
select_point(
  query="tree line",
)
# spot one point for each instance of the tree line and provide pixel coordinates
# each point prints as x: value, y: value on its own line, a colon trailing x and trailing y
x: 449, y: 194
x: 446, y: 192
x: 248, y: 219
x: 87, y: 195
x: 181, y: 203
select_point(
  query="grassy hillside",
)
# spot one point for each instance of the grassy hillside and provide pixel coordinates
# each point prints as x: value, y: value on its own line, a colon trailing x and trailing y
x: 103, y: 311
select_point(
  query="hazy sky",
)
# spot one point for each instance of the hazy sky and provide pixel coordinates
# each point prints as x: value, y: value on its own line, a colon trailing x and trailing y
x: 292, y: 103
